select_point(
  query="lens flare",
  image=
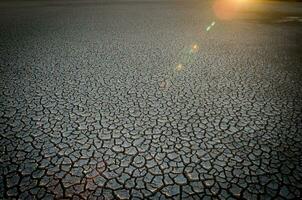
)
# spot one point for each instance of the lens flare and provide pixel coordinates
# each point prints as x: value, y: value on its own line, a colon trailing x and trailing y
x: 195, y: 48
x: 209, y: 27
x: 179, y: 67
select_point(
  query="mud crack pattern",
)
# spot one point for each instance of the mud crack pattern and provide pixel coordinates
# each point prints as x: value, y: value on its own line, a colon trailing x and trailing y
x: 93, y: 107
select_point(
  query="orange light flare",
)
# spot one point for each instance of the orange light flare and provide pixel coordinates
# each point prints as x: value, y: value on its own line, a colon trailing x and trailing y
x: 227, y: 9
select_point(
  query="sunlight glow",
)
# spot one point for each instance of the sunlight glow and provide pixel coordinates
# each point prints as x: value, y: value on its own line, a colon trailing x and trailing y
x: 227, y: 9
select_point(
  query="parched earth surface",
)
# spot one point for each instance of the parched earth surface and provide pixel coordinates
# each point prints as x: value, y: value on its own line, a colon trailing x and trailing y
x: 149, y: 100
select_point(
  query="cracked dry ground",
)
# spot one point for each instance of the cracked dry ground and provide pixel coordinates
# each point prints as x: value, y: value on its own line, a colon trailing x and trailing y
x: 92, y: 106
